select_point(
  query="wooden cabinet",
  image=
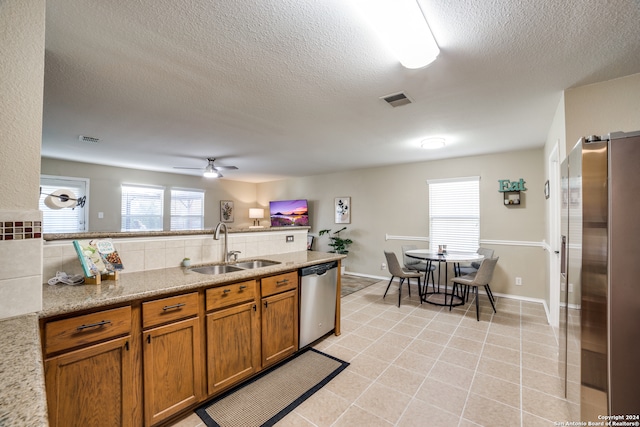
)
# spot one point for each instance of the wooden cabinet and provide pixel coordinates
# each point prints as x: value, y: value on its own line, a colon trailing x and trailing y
x: 233, y: 334
x: 279, y: 309
x: 172, y: 363
x: 93, y: 385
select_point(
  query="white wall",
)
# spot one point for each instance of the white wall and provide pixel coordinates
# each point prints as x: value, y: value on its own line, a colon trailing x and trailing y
x: 21, y: 93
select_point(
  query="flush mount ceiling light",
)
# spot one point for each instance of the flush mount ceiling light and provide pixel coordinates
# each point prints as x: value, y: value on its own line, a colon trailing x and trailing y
x: 403, y: 28
x: 432, y: 143
x: 211, y: 172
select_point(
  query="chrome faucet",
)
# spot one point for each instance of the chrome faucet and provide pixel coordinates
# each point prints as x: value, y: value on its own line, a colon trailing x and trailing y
x: 233, y: 256
x: 216, y: 236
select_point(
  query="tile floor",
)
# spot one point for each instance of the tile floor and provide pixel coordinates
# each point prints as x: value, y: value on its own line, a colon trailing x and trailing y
x: 421, y: 365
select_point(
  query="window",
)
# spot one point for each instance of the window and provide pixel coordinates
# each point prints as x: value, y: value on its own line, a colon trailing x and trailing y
x: 454, y: 213
x: 142, y: 208
x: 187, y: 209
x: 63, y: 220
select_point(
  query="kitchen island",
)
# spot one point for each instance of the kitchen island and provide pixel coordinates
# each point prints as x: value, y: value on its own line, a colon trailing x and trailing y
x: 60, y: 302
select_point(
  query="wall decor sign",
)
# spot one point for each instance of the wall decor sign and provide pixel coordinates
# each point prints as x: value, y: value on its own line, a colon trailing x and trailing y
x: 507, y: 185
x: 342, y: 210
x: 226, y: 211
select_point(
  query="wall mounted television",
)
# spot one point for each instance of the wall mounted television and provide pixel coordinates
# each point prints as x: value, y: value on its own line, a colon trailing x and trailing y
x: 289, y: 213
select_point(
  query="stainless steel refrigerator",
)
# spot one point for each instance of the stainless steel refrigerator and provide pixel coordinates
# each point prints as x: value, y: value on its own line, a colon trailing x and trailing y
x: 600, y: 277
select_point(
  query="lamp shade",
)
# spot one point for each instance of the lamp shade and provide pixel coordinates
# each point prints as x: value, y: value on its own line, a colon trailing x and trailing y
x: 256, y: 213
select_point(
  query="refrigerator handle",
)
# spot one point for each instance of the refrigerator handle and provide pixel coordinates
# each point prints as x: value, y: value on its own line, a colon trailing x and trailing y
x: 563, y: 256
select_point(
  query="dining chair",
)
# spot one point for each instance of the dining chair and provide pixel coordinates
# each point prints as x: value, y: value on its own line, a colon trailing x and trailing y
x: 474, y: 281
x: 397, y: 271
x: 418, y: 265
x: 473, y: 268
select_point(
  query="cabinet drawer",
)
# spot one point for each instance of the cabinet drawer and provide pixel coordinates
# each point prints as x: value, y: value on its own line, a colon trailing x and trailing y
x: 226, y: 295
x: 280, y: 283
x: 90, y: 328
x: 169, y: 309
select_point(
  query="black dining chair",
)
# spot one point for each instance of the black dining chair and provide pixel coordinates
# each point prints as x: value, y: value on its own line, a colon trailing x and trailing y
x: 481, y: 278
x: 402, y: 274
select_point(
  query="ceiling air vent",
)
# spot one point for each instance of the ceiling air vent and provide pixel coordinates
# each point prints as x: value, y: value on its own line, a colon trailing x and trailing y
x: 88, y: 139
x: 397, y: 99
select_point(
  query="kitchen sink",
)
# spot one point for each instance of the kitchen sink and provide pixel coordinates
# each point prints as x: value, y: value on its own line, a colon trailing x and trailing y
x: 256, y: 263
x: 216, y: 269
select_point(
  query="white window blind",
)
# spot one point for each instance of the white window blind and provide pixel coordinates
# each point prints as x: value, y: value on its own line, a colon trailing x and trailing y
x: 142, y: 208
x: 63, y: 220
x: 454, y: 213
x: 187, y: 209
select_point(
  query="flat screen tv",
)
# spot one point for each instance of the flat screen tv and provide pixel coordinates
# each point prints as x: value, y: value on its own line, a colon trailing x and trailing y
x: 288, y: 213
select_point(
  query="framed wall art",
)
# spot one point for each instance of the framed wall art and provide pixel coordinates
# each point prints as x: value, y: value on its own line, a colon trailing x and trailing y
x: 342, y: 210
x: 226, y: 211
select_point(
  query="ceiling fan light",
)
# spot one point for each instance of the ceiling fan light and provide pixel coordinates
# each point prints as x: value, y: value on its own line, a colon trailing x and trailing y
x: 432, y: 143
x: 211, y: 172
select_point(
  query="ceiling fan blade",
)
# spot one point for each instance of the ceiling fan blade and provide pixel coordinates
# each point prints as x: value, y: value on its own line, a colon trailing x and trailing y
x: 226, y: 168
x: 179, y: 167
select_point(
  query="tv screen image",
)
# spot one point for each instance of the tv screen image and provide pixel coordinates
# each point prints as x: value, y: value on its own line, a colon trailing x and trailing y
x: 286, y: 213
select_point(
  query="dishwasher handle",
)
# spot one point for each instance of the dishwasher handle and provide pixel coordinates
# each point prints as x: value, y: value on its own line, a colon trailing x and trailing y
x: 318, y: 269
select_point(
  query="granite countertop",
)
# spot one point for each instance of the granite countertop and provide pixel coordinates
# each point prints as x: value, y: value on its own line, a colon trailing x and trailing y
x: 62, y: 299
x: 22, y: 389
x: 22, y: 393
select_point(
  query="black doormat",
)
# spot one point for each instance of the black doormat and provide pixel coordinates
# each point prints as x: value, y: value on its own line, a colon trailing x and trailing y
x: 271, y: 395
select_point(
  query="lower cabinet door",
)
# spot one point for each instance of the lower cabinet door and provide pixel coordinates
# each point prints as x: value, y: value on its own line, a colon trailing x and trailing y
x: 172, y: 369
x: 279, y: 326
x: 233, y: 345
x: 93, y: 386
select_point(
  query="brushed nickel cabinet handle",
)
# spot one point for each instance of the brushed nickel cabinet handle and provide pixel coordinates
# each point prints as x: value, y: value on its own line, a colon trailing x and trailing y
x: 243, y: 287
x: 93, y: 325
x: 170, y: 307
x: 226, y: 291
x: 282, y: 282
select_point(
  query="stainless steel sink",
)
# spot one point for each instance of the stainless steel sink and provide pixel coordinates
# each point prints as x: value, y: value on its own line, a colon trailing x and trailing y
x: 216, y: 269
x: 256, y: 263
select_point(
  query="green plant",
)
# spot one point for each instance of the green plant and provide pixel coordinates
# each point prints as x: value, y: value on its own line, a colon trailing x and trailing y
x: 338, y: 244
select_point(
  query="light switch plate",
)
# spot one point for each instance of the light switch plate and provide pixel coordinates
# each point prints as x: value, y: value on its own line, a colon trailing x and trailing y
x: 289, y: 239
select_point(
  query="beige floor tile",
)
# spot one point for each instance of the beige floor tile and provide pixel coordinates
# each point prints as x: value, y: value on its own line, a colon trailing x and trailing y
x: 192, y: 420
x: 488, y: 412
x: 349, y: 385
x: 503, y: 354
x: 405, y: 329
x: 358, y: 417
x: 530, y: 420
x: 544, y: 405
x: 401, y: 379
x: 540, y: 364
x: 504, y: 341
x: 383, y: 402
x: 360, y: 316
x: 369, y: 332
x: 340, y: 352
x: 539, y: 381
x: 368, y: 366
x: 494, y: 388
x: 546, y: 351
x: 429, y: 334
x: 355, y: 342
x: 443, y: 395
x: 323, y: 408
x: 460, y: 358
x: 426, y: 348
x: 452, y: 374
x: 415, y: 362
x: 470, y: 333
x: 421, y: 414
x: 499, y: 369
x: 382, y: 323
x: 465, y: 344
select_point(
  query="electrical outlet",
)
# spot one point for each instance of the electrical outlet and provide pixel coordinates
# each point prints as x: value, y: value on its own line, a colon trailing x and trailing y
x: 100, y: 215
x: 570, y: 287
x: 289, y: 238
x: 383, y: 266
x: 518, y: 281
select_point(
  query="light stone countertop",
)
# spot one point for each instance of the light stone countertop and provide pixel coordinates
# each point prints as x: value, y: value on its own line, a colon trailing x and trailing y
x: 22, y: 389
x: 62, y: 299
x: 22, y: 393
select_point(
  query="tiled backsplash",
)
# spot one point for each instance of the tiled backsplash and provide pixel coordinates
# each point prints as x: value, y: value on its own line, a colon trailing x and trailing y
x: 139, y: 254
x: 17, y: 230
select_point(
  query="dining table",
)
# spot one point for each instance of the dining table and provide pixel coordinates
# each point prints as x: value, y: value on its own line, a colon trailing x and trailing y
x: 437, y: 296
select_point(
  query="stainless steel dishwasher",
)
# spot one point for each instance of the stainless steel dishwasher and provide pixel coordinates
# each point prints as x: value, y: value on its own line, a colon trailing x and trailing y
x: 318, y: 286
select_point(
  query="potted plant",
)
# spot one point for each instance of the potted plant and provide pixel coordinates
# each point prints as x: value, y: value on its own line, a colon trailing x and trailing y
x: 338, y: 244
x: 186, y: 262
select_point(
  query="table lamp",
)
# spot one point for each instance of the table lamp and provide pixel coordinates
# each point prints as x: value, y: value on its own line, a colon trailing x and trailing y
x: 256, y: 214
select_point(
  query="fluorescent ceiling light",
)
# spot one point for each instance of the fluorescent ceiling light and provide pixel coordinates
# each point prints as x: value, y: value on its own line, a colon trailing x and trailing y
x: 432, y: 143
x: 403, y: 28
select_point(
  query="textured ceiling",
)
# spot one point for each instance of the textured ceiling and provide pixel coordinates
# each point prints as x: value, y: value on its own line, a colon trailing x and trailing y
x: 289, y: 88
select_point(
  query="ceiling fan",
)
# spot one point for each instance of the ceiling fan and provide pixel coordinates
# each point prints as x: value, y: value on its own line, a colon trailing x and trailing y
x: 211, y: 171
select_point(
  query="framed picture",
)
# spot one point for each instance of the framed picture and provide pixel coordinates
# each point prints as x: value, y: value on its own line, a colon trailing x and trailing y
x: 226, y: 211
x: 342, y: 210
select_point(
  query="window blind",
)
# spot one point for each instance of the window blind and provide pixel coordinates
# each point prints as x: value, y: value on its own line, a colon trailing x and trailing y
x: 454, y: 213
x: 63, y: 220
x: 187, y: 209
x: 142, y: 208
